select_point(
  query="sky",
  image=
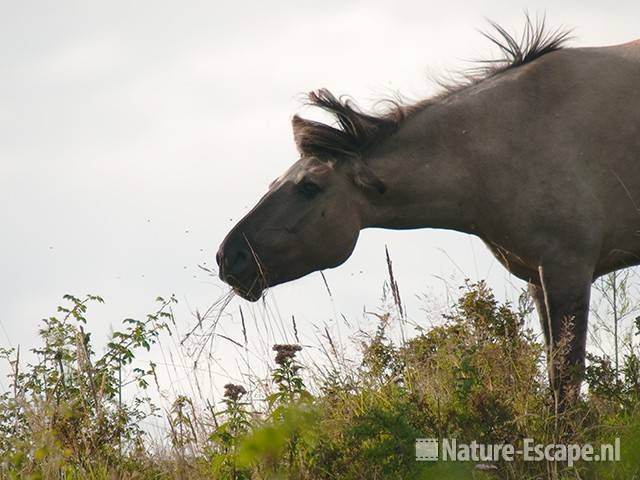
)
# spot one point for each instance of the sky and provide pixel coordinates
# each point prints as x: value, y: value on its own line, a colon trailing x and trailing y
x: 134, y: 134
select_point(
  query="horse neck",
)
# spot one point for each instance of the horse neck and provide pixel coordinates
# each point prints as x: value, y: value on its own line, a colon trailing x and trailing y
x: 431, y: 180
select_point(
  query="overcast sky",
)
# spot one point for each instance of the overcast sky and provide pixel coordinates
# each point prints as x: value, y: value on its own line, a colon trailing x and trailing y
x: 134, y: 134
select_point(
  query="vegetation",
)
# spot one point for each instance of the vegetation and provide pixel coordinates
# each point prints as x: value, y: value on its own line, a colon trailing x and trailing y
x: 478, y: 375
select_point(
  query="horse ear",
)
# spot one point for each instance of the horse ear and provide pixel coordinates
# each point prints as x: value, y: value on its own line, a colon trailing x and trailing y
x: 315, y: 138
x: 364, y: 177
x: 300, y: 127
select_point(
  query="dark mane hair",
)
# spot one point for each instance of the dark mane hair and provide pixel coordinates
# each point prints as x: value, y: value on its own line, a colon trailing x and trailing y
x: 356, y: 131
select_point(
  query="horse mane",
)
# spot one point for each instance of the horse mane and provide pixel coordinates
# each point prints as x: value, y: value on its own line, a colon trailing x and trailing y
x: 356, y: 131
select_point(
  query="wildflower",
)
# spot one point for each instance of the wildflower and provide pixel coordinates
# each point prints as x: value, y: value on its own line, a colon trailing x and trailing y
x: 286, y: 352
x: 234, y: 392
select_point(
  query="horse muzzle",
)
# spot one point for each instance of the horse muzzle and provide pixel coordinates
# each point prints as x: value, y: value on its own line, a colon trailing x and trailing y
x: 239, y: 268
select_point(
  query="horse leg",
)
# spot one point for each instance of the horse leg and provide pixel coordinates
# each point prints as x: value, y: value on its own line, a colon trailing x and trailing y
x: 562, y: 301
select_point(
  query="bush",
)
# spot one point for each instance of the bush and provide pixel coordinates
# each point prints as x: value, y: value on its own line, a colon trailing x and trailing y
x: 479, y: 375
x: 65, y: 416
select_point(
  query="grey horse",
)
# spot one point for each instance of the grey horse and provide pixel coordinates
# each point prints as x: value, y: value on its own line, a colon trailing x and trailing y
x: 539, y: 156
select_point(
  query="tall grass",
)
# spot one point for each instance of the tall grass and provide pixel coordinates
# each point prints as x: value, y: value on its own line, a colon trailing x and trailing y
x: 478, y: 375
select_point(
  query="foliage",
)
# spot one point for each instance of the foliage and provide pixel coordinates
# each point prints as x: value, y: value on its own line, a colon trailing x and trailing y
x: 65, y: 413
x: 478, y: 375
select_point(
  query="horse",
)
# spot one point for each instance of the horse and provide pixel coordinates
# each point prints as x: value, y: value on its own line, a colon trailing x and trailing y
x: 538, y: 155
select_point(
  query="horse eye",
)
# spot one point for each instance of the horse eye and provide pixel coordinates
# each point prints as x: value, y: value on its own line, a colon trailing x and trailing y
x: 308, y: 189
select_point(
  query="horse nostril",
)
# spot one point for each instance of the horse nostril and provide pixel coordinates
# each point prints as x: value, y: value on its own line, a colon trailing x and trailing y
x: 234, y: 260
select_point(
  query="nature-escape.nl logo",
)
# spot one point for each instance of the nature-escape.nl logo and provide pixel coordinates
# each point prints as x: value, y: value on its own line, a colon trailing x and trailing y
x: 428, y: 449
